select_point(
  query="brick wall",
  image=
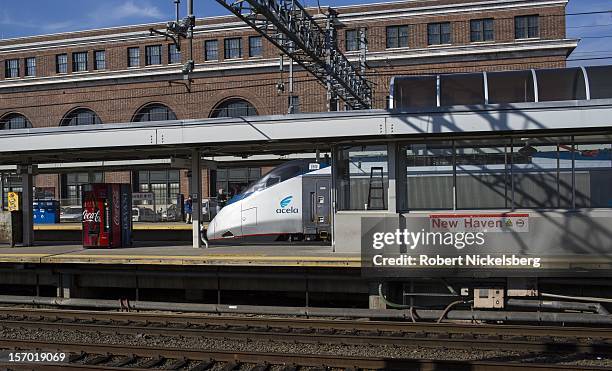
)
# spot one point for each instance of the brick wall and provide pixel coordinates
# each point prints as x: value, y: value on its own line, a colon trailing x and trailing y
x: 552, y: 26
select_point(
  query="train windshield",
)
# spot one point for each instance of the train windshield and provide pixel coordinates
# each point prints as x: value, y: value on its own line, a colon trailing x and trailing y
x: 279, y: 174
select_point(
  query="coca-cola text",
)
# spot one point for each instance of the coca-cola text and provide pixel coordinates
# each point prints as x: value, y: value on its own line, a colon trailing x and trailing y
x: 91, y: 217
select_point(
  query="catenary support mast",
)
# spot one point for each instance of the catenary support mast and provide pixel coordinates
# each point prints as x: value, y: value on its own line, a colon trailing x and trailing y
x: 287, y: 25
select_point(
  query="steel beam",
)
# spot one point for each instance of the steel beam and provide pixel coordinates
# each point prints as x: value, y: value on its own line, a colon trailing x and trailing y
x: 287, y: 25
x: 27, y: 204
x: 196, y: 196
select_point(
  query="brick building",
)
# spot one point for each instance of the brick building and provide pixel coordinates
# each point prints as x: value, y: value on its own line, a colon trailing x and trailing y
x: 124, y: 74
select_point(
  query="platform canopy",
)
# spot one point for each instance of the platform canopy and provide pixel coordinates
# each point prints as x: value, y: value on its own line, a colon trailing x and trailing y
x: 246, y: 136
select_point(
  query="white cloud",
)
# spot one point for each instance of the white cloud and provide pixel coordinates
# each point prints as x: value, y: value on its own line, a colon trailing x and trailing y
x: 111, y: 12
x: 108, y: 13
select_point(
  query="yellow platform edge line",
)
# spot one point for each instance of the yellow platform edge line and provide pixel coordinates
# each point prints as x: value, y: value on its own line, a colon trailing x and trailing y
x: 206, y: 257
x: 210, y: 262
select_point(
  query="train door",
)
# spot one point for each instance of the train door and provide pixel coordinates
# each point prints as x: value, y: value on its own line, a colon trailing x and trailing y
x: 323, y: 206
x: 317, y: 206
x: 249, y: 221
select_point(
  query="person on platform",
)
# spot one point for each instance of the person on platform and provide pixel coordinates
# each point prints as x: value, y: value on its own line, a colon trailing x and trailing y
x: 188, y: 209
x: 221, y: 198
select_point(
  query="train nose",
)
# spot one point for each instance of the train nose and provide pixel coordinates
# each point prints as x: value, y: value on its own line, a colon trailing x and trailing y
x: 212, y: 227
x: 218, y: 225
x: 226, y: 224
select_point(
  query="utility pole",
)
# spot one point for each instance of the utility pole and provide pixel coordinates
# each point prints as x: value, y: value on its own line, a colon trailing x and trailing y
x: 331, y: 44
x: 292, y: 97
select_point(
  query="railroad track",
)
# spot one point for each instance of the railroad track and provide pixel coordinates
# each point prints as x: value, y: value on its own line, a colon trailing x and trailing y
x: 453, y: 336
x: 113, y: 357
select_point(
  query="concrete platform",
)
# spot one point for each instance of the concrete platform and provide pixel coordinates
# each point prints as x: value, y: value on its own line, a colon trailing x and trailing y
x: 274, y: 255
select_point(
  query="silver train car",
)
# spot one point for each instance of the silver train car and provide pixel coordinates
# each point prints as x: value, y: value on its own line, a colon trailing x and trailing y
x: 290, y: 203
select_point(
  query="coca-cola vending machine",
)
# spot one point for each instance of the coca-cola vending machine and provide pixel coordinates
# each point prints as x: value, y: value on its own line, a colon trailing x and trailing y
x: 107, y: 215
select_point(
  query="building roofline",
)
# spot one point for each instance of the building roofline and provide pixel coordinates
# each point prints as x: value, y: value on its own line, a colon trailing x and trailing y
x: 494, y: 4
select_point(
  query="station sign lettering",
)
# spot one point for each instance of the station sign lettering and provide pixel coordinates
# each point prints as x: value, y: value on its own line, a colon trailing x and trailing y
x: 490, y: 223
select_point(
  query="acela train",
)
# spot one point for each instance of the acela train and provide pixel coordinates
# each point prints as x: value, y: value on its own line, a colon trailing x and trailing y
x: 290, y: 203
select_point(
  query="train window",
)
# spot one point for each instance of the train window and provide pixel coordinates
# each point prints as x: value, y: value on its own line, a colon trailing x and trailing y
x: 510, y: 87
x: 561, y: 84
x: 483, y: 179
x: 428, y: 176
x: 272, y: 181
x: 363, y: 178
x: 462, y: 89
x: 414, y: 92
x: 600, y: 81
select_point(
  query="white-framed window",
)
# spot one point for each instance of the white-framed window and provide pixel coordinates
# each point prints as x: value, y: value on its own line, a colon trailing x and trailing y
x: 99, y: 60
x: 134, y: 57
x: 233, y: 48
x: 11, y: 68
x: 61, y: 63
x: 30, y: 66
x: 211, y: 50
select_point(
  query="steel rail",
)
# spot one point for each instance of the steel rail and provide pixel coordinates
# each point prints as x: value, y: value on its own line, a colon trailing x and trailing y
x: 258, y: 358
x: 601, y: 333
x: 512, y: 338
x: 465, y: 342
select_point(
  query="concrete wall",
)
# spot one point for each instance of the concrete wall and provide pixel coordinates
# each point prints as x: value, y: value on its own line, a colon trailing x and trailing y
x: 564, y: 239
x: 348, y: 228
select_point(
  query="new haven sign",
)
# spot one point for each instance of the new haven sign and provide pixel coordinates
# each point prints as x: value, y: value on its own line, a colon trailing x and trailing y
x: 504, y: 222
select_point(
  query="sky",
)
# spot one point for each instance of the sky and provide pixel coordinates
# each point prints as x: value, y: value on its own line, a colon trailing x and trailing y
x: 36, y: 17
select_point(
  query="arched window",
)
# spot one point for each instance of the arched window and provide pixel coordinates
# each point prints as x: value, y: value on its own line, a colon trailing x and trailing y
x: 154, y: 112
x: 234, y: 107
x: 14, y: 121
x: 80, y: 116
